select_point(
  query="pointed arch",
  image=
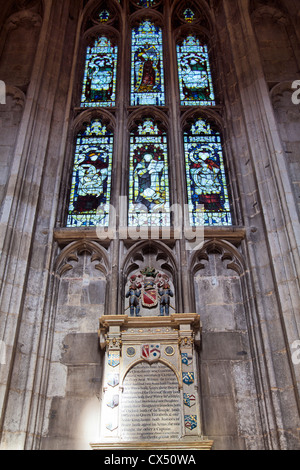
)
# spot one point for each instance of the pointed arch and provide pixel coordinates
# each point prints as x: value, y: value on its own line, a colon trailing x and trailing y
x: 73, y: 250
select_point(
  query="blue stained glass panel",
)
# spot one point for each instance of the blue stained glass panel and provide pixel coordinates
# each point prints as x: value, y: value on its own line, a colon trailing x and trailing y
x: 99, y: 83
x: 146, y: 3
x: 147, y: 76
x: 149, y: 203
x: 91, y: 180
x: 206, y: 181
x: 195, y: 81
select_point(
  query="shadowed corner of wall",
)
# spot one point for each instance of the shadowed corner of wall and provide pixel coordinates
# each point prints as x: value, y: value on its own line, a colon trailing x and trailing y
x: 2, y: 92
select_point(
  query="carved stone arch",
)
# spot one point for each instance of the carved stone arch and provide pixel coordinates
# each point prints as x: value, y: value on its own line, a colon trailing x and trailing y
x: 154, y: 254
x: 92, y: 9
x: 100, y: 30
x: 228, y: 254
x: 148, y: 112
x: 273, y: 20
x: 272, y: 8
x: 18, y: 65
x: 137, y: 252
x: 162, y: 361
x: 219, y: 286
x: 146, y: 14
x: 86, y: 116
x: 17, y: 95
x: 71, y: 253
x: 212, y: 116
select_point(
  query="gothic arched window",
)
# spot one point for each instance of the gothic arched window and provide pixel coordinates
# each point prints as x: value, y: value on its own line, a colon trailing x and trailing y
x: 149, y: 200
x: 99, y: 83
x: 91, y: 179
x: 147, y: 74
x: 205, y: 173
x: 150, y: 164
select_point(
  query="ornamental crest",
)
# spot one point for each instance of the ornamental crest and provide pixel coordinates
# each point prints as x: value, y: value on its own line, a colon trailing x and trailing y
x: 151, y: 352
x: 187, y: 359
x: 189, y: 400
x: 113, y: 359
x: 149, y: 288
x: 111, y: 426
x: 113, y: 402
x: 113, y: 380
x: 188, y: 378
x: 190, y: 421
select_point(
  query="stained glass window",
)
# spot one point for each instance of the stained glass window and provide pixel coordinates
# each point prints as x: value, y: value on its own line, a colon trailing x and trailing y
x: 148, y: 178
x: 91, y: 181
x: 195, y: 80
x: 99, y: 83
x: 147, y: 76
x: 205, y: 173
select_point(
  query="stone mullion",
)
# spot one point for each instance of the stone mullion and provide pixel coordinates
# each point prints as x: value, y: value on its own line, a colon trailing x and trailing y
x: 191, y: 416
x: 23, y: 192
x: 120, y: 167
x: 176, y: 163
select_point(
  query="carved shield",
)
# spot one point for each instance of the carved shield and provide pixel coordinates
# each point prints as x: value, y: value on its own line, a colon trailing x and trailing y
x: 149, y: 297
x: 188, y: 378
x: 189, y: 400
x: 190, y: 421
x: 113, y: 380
x: 113, y: 401
x: 187, y: 359
x: 151, y: 352
x: 113, y: 359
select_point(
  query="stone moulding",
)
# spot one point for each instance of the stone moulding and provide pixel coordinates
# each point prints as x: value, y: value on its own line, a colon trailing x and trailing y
x: 192, y: 445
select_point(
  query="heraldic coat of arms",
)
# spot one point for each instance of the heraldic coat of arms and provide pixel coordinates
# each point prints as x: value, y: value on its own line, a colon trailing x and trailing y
x: 147, y: 289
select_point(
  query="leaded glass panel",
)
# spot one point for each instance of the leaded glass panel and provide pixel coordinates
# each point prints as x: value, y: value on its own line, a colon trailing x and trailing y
x: 146, y: 3
x: 147, y: 76
x: 206, y: 181
x: 91, y: 181
x: 99, y: 83
x: 194, y: 72
x: 149, y: 202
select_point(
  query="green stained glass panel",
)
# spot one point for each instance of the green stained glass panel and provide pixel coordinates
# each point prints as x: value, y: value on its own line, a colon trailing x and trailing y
x: 194, y: 72
x: 99, y: 83
x: 206, y: 181
x: 149, y: 202
x: 91, y: 180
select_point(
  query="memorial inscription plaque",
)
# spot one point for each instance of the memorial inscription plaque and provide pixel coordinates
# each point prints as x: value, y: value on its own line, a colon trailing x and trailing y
x: 151, y: 407
x: 151, y: 387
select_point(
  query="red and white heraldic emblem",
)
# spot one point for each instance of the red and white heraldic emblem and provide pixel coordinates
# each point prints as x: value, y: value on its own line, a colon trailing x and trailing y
x: 150, y: 352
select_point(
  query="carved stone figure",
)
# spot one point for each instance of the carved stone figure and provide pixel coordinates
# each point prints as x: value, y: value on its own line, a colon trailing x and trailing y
x: 134, y: 294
